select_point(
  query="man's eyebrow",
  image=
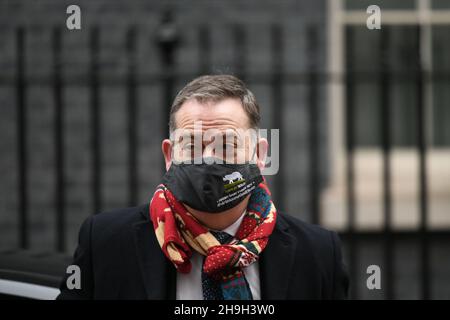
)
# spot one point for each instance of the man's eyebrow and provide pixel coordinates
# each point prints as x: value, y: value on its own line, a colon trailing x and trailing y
x: 235, y: 135
x: 185, y: 137
x: 224, y: 134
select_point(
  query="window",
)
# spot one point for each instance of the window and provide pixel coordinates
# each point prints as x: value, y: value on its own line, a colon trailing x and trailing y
x: 401, y: 52
x: 402, y: 20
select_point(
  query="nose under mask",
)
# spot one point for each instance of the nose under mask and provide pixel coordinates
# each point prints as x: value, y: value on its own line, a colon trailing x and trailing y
x: 210, y: 186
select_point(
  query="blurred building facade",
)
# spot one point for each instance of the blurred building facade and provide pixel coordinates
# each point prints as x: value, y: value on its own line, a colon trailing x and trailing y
x: 84, y: 112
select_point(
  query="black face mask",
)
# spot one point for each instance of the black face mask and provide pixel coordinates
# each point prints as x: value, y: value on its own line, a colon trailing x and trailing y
x: 212, y: 187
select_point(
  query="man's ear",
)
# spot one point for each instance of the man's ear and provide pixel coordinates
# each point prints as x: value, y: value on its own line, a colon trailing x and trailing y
x: 166, y: 147
x: 261, y: 153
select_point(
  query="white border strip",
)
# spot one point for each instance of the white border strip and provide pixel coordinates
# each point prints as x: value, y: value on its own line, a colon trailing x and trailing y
x: 398, y: 17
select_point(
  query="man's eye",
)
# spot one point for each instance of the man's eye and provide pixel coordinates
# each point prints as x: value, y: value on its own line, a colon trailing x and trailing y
x: 188, y: 146
x: 228, y: 146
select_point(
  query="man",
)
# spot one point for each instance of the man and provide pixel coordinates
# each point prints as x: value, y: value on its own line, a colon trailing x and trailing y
x: 211, y: 230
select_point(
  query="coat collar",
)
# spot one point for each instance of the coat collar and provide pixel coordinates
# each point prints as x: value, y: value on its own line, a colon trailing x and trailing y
x: 276, y: 263
x: 158, y: 273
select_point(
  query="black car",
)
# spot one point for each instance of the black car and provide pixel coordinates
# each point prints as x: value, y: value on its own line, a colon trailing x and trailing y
x: 30, y: 274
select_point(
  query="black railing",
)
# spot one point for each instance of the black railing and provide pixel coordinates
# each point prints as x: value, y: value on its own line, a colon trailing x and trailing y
x: 96, y: 121
x: 60, y: 194
x: 350, y: 167
x: 388, y: 236
x: 22, y: 132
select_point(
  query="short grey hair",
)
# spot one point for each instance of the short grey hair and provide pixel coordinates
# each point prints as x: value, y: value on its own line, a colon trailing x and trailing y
x: 216, y: 88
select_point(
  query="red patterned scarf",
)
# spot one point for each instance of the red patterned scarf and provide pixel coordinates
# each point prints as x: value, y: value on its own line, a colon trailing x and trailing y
x: 178, y: 232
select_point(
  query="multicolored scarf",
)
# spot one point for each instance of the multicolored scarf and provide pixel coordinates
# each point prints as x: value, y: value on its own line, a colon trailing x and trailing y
x: 178, y: 232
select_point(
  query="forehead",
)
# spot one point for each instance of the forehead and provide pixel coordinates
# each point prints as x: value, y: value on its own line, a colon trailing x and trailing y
x: 223, y: 115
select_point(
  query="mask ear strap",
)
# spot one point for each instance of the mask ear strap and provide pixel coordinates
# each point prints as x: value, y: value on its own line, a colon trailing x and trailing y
x: 172, y: 153
x: 172, y: 150
x: 253, y: 157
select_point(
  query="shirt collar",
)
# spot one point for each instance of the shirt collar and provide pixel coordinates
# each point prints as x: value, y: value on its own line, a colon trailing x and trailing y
x: 233, y: 228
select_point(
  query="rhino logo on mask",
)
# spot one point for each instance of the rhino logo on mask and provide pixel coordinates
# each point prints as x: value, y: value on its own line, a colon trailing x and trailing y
x: 233, y: 177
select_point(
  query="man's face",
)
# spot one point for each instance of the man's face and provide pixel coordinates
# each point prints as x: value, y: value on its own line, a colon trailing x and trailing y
x: 213, y: 129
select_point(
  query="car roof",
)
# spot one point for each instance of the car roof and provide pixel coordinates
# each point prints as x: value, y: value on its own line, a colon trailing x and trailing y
x: 33, y: 267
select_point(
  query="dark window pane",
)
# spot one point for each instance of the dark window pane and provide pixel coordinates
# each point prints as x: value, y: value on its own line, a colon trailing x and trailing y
x: 365, y: 62
x: 403, y: 113
x: 401, y: 87
x: 440, y: 4
x: 403, y: 46
x: 441, y: 86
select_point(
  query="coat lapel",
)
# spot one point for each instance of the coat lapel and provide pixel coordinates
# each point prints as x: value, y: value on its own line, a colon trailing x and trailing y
x: 276, y: 262
x: 158, y: 274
